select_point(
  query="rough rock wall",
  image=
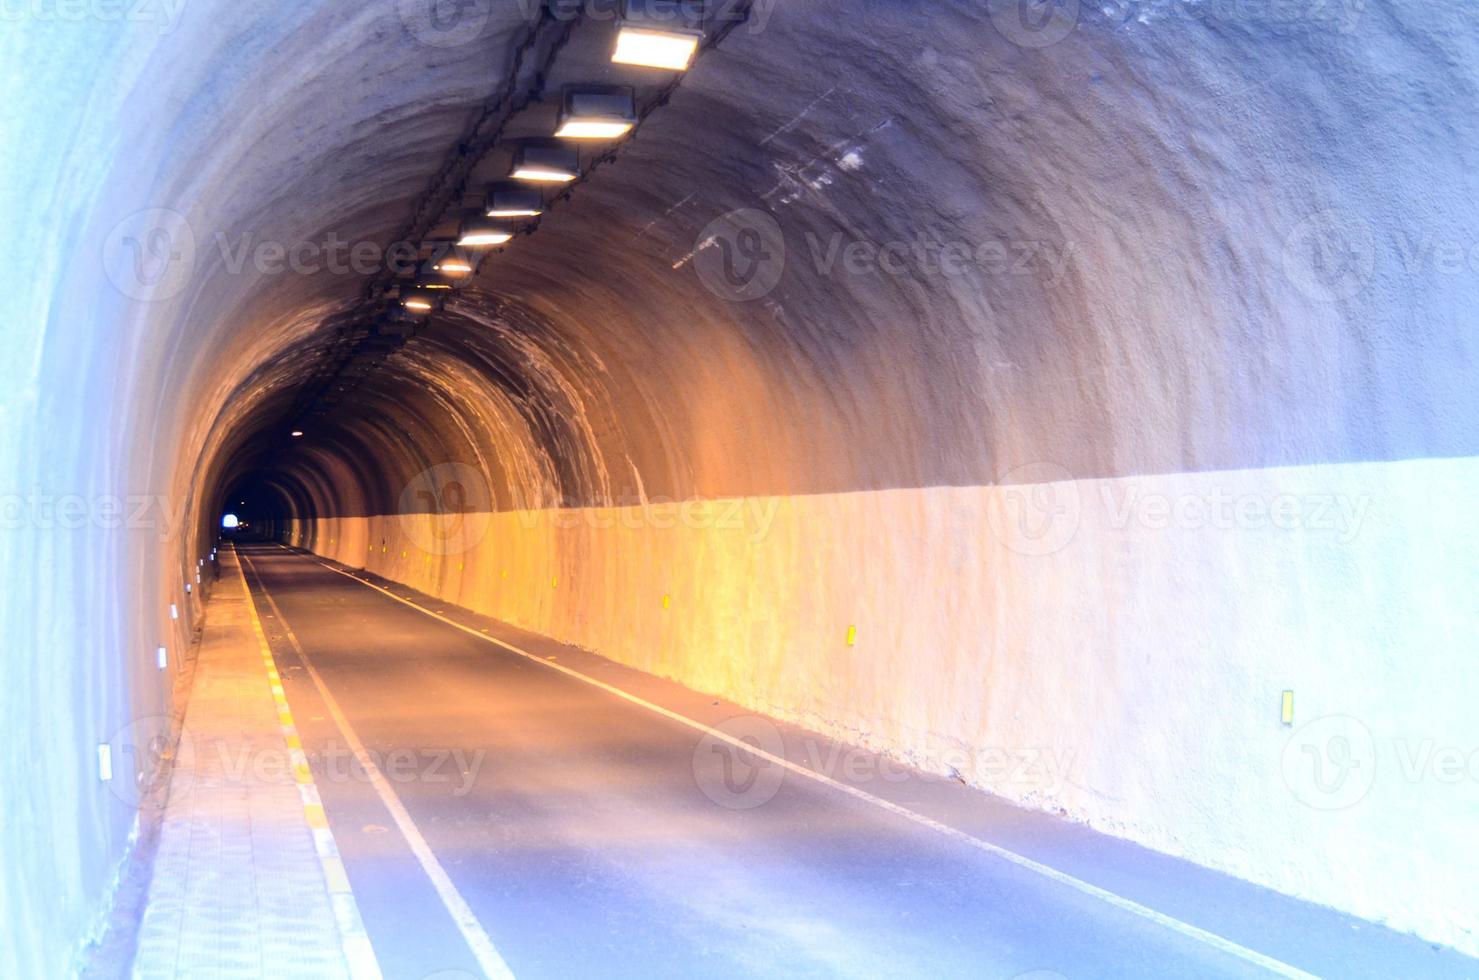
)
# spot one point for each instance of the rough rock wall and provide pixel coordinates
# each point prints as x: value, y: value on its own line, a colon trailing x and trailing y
x: 1173, y: 247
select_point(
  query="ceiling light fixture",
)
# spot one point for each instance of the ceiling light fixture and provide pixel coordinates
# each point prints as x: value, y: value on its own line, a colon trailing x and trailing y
x: 512, y: 201
x: 418, y: 302
x: 658, y: 34
x: 596, y: 114
x: 430, y: 277
x: 479, y: 232
x: 448, y: 259
x: 545, y: 164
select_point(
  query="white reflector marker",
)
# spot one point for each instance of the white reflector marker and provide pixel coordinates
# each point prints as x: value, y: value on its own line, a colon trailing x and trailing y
x: 105, y: 762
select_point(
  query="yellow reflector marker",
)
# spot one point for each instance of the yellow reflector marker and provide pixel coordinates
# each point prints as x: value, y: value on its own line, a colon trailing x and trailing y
x: 1288, y: 709
x: 852, y: 635
x: 667, y: 600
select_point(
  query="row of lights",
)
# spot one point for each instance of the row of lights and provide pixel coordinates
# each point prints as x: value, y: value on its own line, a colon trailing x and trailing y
x: 646, y: 37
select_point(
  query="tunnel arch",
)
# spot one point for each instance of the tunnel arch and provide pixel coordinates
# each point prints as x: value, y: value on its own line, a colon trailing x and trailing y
x: 1200, y: 258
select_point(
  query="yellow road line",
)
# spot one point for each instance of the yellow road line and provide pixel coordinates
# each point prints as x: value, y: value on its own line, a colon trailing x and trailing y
x: 359, y: 955
x: 467, y: 923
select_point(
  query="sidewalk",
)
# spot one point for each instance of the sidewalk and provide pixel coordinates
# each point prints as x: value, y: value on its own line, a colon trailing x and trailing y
x: 247, y: 881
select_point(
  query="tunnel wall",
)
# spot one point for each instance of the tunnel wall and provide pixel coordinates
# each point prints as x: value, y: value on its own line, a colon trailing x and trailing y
x: 1215, y: 256
x: 1042, y: 675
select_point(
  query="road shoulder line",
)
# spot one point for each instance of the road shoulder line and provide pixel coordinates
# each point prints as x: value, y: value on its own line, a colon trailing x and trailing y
x: 473, y: 933
x: 359, y: 955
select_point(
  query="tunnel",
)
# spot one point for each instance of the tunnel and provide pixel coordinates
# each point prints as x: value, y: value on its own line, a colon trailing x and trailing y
x: 1066, y: 408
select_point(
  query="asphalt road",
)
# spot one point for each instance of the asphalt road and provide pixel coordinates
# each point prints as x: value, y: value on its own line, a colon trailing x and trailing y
x: 525, y: 815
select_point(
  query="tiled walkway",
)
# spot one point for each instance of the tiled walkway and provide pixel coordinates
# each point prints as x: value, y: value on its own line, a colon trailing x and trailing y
x: 247, y: 882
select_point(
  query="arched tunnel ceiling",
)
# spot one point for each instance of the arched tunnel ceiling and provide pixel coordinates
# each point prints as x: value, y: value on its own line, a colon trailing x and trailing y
x: 1171, y: 237
x: 1082, y: 237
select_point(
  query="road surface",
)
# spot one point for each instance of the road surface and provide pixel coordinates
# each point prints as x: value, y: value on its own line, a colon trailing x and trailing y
x: 536, y: 811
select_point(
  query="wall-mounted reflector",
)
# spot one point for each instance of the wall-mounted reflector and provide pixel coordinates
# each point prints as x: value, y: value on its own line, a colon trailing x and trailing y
x: 596, y: 114
x: 508, y: 201
x: 545, y: 164
x: 480, y: 232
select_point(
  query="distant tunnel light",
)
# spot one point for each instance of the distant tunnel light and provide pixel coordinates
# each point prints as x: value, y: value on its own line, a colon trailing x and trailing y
x: 297, y: 433
x: 230, y: 521
x: 545, y: 164
x: 596, y: 114
x: 418, y: 303
x: 649, y: 48
x: 452, y: 262
x: 513, y: 202
x: 432, y: 278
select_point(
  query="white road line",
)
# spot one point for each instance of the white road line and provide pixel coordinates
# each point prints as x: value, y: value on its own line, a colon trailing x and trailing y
x: 477, y: 938
x: 1277, y: 967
